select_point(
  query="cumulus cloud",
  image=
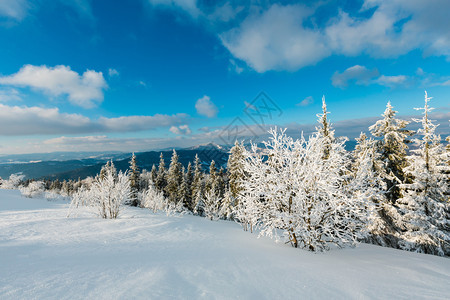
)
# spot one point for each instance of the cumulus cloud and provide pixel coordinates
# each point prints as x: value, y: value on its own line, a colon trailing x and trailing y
x: 276, y: 40
x: 269, y: 36
x: 85, y: 90
x: 206, y: 107
x: 23, y: 120
x: 181, y: 130
x: 307, y: 101
x: 358, y: 74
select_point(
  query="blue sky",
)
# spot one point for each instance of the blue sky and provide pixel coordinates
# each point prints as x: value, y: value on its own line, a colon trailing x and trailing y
x: 80, y: 75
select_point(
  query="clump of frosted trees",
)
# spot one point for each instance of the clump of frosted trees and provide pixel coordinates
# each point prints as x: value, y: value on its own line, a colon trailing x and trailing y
x: 310, y: 191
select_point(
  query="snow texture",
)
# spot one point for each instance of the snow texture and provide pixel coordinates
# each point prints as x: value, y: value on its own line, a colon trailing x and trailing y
x: 45, y: 255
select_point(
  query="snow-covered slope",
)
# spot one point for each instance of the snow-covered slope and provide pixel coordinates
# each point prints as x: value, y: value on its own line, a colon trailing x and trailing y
x: 44, y: 255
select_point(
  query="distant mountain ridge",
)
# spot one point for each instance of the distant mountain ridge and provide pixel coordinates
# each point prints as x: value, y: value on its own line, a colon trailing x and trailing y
x: 89, y: 164
x: 74, y: 165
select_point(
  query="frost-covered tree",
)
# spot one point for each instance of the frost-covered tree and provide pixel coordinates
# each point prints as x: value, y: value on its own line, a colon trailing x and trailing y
x: 367, y: 184
x: 235, y: 169
x: 153, y: 173
x: 227, y: 206
x: 186, y: 188
x: 292, y: 187
x: 425, y: 204
x: 211, y: 205
x: 199, y: 200
x: 13, y: 182
x: 392, y: 149
x: 174, y: 179
x: 134, y: 175
x: 161, y: 177
x: 109, y: 191
x: 325, y: 130
x: 153, y: 199
x: 197, y: 183
x: 33, y: 189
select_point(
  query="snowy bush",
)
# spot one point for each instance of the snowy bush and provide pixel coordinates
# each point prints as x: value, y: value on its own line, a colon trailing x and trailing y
x: 154, y: 200
x: 34, y: 189
x: 108, y: 193
x: 292, y: 187
x: 211, y: 206
x: 13, y: 182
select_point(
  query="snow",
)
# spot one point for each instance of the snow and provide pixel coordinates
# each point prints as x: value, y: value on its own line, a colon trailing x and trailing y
x: 44, y: 254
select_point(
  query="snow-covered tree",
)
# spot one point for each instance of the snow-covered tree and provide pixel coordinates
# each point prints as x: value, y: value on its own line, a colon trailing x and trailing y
x: 197, y: 183
x: 425, y: 205
x: 134, y: 175
x: 211, y: 205
x: 153, y: 173
x: 161, y: 177
x: 367, y: 184
x: 186, y: 188
x: 13, y: 182
x: 235, y: 169
x: 292, y: 187
x: 227, y: 206
x: 108, y: 193
x: 33, y: 189
x: 174, y: 179
x: 392, y: 149
x: 153, y: 199
x: 324, y: 130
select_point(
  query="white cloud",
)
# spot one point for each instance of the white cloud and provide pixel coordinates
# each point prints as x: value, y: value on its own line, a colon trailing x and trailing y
x: 190, y: 6
x: 307, y: 101
x: 17, y: 120
x: 359, y: 74
x: 113, y: 72
x: 139, y: 123
x: 206, y: 107
x: 84, y: 90
x: 14, y: 9
x: 276, y: 40
x: 288, y: 37
x: 392, y: 81
x: 9, y: 94
x: 181, y: 130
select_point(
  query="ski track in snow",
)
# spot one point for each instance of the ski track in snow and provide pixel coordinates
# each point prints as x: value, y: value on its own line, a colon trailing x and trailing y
x: 45, y: 255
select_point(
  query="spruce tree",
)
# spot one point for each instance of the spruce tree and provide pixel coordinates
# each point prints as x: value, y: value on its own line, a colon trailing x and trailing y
x: 197, y: 180
x: 134, y: 175
x: 186, y: 188
x: 425, y: 205
x: 235, y: 169
x: 153, y: 174
x: 174, y: 178
x: 324, y: 130
x: 392, y: 149
x: 161, y: 180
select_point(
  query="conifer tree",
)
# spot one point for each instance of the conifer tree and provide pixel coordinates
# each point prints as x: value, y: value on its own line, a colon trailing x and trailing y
x: 134, y: 175
x: 161, y: 180
x: 235, y: 169
x: 425, y: 205
x: 153, y: 173
x: 197, y: 180
x: 186, y: 188
x: 174, y: 178
x: 324, y: 130
x: 392, y: 149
